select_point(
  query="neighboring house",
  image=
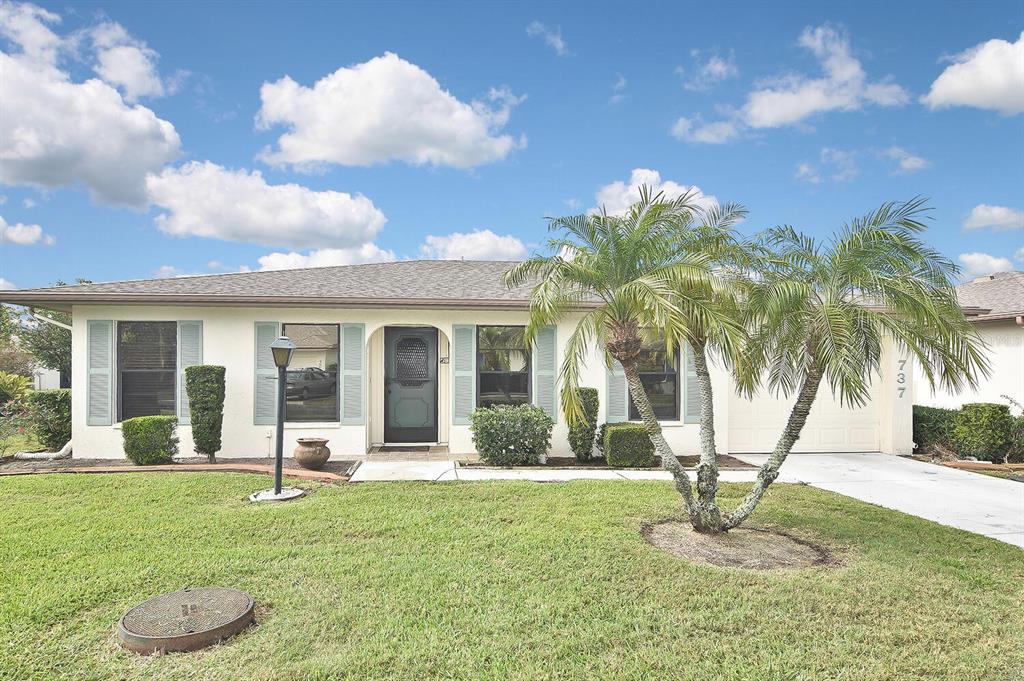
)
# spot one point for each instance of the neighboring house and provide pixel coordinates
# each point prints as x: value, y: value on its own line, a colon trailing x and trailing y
x: 393, y: 353
x: 995, y: 305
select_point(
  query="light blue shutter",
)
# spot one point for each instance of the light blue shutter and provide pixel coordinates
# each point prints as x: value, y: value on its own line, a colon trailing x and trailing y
x: 544, y: 371
x: 352, y: 374
x: 190, y: 353
x: 463, y: 361
x: 101, y: 363
x: 691, y: 391
x: 265, y: 373
x: 617, y: 399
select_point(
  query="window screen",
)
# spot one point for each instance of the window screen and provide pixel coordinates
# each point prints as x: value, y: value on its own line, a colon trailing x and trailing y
x: 503, y: 366
x: 147, y: 358
x: 659, y: 373
x: 311, y: 391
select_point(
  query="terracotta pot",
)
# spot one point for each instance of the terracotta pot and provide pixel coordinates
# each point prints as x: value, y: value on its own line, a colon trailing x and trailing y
x: 312, y: 452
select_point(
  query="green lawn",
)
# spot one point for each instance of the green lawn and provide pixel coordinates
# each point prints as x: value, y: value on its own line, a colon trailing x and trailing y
x: 490, y: 580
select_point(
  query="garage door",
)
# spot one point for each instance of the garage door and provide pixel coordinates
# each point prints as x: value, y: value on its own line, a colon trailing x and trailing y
x: 755, y: 425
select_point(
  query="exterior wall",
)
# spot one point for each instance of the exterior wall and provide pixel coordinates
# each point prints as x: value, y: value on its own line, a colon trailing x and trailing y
x: 228, y: 340
x: 1005, y: 341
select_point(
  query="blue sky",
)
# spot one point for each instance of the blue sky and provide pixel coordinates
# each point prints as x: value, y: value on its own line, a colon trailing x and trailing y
x: 147, y: 139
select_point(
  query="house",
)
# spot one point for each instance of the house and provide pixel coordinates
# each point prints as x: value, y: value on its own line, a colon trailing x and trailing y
x: 995, y: 306
x: 389, y: 353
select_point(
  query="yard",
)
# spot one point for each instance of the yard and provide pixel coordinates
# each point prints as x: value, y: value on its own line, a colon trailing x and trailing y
x: 491, y: 580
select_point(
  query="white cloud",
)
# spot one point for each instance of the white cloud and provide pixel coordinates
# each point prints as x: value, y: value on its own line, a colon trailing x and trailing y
x: 694, y: 130
x: 617, y: 197
x: 5, y: 285
x: 552, y: 37
x: 982, y: 264
x: 906, y: 162
x: 792, y: 98
x: 707, y: 72
x: 205, y: 199
x: 808, y: 173
x: 381, y: 110
x: 1019, y: 255
x: 56, y: 132
x: 28, y: 203
x: 476, y: 245
x: 618, y: 88
x: 987, y: 76
x: 999, y: 218
x: 126, y: 62
x: 326, y: 257
x: 21, y: 234
x: 838, y: 164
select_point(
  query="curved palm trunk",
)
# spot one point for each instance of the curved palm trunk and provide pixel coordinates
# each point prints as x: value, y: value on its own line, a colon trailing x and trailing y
x: 668, y: 458
x: 769, y: 471
x: 707, y: 468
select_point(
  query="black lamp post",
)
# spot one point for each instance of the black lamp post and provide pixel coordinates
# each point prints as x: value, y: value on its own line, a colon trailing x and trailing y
x: 282, y: 349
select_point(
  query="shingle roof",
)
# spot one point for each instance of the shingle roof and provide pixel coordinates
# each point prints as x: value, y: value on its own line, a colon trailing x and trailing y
x: 1002, y: 294
x: 410, y: 283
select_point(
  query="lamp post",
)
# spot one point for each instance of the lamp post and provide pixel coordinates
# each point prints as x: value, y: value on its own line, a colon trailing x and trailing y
x: 282, y: 349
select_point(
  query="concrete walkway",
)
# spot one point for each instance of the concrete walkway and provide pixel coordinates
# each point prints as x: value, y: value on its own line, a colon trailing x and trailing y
x: 440, y: 471
x: 969, y: 501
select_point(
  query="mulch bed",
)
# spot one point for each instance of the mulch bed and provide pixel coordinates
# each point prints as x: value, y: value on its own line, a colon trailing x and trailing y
x: 331, y: 472
x: 748, y: 548
x: 980, y: 466
x: 724, y: 463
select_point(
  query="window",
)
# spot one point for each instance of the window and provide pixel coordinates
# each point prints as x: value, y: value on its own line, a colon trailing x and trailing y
x: 311, y: 390
x: 659, y: 374
x: 502, y: 365
x: 147, y: 360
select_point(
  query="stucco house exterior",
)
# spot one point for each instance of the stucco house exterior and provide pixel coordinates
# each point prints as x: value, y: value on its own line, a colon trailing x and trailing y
x: 995, y: 306
x: 393, y: 353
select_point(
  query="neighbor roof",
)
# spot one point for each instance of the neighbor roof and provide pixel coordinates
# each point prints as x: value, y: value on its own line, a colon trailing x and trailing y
x: 1001, y: 294
x: 410, y: 283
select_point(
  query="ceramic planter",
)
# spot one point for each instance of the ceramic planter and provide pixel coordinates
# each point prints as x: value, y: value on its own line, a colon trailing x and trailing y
x: 312, y: 452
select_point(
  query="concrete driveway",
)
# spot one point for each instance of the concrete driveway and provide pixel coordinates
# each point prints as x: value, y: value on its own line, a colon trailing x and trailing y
x: 969, y: 501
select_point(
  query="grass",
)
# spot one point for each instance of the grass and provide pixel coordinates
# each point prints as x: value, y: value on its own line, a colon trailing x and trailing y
x: 20, y: 443
x: 491, y: 580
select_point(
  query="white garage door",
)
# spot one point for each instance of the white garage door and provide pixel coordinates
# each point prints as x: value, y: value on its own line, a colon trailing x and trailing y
x: 755, y: 425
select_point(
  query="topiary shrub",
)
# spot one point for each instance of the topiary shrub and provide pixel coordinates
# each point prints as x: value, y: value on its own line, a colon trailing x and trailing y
x: 204, y: 385
x: 933, y: 427
x: 150, y: 440
x: 984, y: 431
x: 627, y: 445
x: 599, y: 440
x: 49, y: 414
x: 511, y: 435
x: 581, y: 435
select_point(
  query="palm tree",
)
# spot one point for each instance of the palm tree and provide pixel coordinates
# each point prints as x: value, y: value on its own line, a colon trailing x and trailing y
x: 650, y: 273
x: 822, y: 311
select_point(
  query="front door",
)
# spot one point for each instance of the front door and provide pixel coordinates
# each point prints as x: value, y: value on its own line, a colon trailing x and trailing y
x: 410, y: 384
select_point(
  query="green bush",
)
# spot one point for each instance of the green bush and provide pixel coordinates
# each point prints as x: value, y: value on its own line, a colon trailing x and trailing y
x: 984, y: 431
x: 150, y: 439
x: 627, y: 445
x: 933, y: 427
x: 13, y: 387
x: 599, y: 440
x: 204, y: 385
x: 511, y: 436
x: 581, y: 435
x: 49, y: 413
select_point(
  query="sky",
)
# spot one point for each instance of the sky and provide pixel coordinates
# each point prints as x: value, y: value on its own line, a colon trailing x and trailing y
x: 143, y: 140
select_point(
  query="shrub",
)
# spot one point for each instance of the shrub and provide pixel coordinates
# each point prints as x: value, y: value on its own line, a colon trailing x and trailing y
x: 627, y: 445
x: 12, y: 426
x: 204, y: 385
x: 49, y: 413
x: 1016, y: 453
x: 984, y: 431
x: 150, y: 439
x: 581, y: 435
x: 599, y: 440
x: 933, y: 427
x: 13, y: 387
x: 511, y: 436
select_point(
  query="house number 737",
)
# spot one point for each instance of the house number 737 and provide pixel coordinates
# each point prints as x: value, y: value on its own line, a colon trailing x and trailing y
x: 901, y: 378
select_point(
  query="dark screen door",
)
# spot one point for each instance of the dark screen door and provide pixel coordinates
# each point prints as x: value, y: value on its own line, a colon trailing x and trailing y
x: 410, y: 384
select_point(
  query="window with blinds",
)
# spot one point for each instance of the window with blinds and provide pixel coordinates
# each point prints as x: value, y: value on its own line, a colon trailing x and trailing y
x: 147, y: 357
x: 660, y: 376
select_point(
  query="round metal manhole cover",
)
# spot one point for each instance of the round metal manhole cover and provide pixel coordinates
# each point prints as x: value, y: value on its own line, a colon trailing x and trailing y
x: 185, y: 620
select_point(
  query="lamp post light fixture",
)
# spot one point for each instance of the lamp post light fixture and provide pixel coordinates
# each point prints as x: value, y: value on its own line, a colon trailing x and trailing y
x: 282, y: 350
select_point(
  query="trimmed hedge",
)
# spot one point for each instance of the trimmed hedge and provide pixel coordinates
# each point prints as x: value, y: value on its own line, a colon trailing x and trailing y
x: 49, y: 412
x: 511, y: 435
x: 984, y: 431
x: 150, y: 439
x: 204, y: 385
x: 933, y: 427
x: 627, y: 445
x: 581, y: 435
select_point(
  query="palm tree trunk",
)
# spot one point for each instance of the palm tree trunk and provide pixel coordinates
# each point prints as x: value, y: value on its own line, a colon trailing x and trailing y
x: 707, y: 468
x: 668, y: 458
x: 769, y: 471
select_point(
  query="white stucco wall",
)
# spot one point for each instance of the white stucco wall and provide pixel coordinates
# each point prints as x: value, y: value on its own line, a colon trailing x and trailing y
x: 228, y: 340
x: 1005, y: 351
